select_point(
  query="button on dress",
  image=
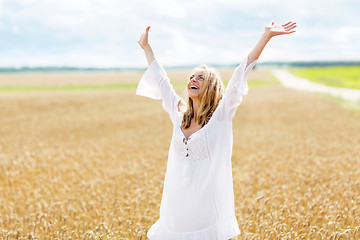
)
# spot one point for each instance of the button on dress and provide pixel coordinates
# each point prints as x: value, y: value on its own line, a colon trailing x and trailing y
x: 198, y: 198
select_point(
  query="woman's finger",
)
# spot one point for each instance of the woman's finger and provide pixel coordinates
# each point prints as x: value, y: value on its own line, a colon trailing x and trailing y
x: 286, y: 24
x: 290, y: 25
x: 289, y: 28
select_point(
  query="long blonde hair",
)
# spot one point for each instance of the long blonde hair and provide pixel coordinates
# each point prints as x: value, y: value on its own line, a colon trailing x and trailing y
x: 210, y: 96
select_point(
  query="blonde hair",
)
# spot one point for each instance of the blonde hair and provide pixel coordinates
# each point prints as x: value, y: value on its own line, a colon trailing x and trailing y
x: 210, y: 96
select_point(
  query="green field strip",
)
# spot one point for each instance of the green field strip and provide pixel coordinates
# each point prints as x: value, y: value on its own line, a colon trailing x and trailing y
x: 344, y: 77
x: 124, y: 86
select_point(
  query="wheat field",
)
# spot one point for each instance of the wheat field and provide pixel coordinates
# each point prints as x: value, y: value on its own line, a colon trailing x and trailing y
x: 91, y: 165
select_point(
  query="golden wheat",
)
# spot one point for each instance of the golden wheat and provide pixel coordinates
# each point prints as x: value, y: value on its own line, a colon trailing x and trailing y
x: 91, y: 164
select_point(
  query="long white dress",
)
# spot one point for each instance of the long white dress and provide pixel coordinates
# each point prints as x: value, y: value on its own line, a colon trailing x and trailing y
x: 198, y: 198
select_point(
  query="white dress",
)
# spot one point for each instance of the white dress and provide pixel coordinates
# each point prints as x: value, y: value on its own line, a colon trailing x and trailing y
x: 198, y: 198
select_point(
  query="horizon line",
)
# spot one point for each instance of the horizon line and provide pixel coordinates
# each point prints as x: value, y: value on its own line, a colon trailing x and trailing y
x: 295, y: 63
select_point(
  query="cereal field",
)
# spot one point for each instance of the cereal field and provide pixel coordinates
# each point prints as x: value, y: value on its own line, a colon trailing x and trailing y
x: 91, y: 164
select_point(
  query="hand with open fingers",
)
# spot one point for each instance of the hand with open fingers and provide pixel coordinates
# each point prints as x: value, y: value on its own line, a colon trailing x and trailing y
x: 275, y: 30
x: 144, y: 41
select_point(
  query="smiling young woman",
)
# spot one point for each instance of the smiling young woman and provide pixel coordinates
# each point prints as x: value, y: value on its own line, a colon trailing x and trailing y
x: 198, y: 198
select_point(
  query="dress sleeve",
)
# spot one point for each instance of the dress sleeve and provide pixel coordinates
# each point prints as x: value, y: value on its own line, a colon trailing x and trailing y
x: 236, y: 88
x: 156, y: 85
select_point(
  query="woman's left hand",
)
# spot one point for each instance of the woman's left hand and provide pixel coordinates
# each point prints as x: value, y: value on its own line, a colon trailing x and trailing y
x: 271, y: 30
x: 274, y: 30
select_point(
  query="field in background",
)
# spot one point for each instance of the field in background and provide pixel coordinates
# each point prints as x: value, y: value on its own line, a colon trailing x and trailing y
x: 345, y: 77
x: 34, y: 82
x: 91, y: 164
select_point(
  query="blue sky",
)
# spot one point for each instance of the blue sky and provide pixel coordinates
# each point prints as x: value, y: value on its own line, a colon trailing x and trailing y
x: 104, y: 33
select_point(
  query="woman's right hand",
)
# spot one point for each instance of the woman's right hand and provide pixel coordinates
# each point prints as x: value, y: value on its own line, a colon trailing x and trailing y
x: 143, y: 41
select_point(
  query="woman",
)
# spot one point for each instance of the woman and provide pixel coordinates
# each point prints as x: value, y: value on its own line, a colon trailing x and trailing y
x: 198, y: 198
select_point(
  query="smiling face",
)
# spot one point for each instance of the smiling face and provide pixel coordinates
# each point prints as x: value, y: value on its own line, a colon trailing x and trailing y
x: 196, y: 83
x: 204, y: 90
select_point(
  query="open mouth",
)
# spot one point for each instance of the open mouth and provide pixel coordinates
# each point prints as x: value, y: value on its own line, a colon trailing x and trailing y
x: 193, y: 87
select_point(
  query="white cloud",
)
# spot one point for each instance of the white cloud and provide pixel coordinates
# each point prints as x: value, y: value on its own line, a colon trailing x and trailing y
x: 104, y: 32
x: 343, y: 40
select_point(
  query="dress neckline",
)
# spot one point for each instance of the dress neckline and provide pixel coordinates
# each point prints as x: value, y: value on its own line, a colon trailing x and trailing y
x: 194, y: 133
x: 191, y: 135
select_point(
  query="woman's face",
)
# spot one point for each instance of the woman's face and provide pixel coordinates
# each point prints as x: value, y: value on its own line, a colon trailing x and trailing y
x: 195, y: 83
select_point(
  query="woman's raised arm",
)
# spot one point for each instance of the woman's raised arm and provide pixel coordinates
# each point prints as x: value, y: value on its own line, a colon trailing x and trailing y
x: 270, y: 31
x: 155, y: 82
x: 144, y: 44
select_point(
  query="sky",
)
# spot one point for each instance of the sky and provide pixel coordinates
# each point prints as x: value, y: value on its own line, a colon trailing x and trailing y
x: 104, y: 33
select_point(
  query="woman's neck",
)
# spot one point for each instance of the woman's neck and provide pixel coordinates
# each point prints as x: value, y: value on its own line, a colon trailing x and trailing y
x: 196, y: 106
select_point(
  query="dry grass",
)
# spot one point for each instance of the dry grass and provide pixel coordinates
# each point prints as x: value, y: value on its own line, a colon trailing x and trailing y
x: 90, y: 165
x: 100, y: 78
x: 68, y: 78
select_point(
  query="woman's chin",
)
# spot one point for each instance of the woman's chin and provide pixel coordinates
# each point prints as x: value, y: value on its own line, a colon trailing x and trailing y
x: 193, y: 95
x: 193, y: 92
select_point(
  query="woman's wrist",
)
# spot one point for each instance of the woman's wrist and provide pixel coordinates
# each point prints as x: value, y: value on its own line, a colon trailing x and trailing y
x: 146, y: 47
x: 266, y: 35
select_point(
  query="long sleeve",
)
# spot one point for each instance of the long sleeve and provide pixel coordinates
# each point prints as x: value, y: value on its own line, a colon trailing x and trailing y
x: 236, y: 88
x: 156, y: 85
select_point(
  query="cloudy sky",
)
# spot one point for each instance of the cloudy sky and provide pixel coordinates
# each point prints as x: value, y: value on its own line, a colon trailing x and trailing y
x: 104, y: 33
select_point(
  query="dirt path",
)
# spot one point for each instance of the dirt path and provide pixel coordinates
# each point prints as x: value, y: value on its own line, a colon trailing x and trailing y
x: 290, y: 80
x: 87, y: 164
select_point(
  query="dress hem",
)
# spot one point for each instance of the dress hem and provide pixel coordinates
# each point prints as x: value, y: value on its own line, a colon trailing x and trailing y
x: 222, y: 229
